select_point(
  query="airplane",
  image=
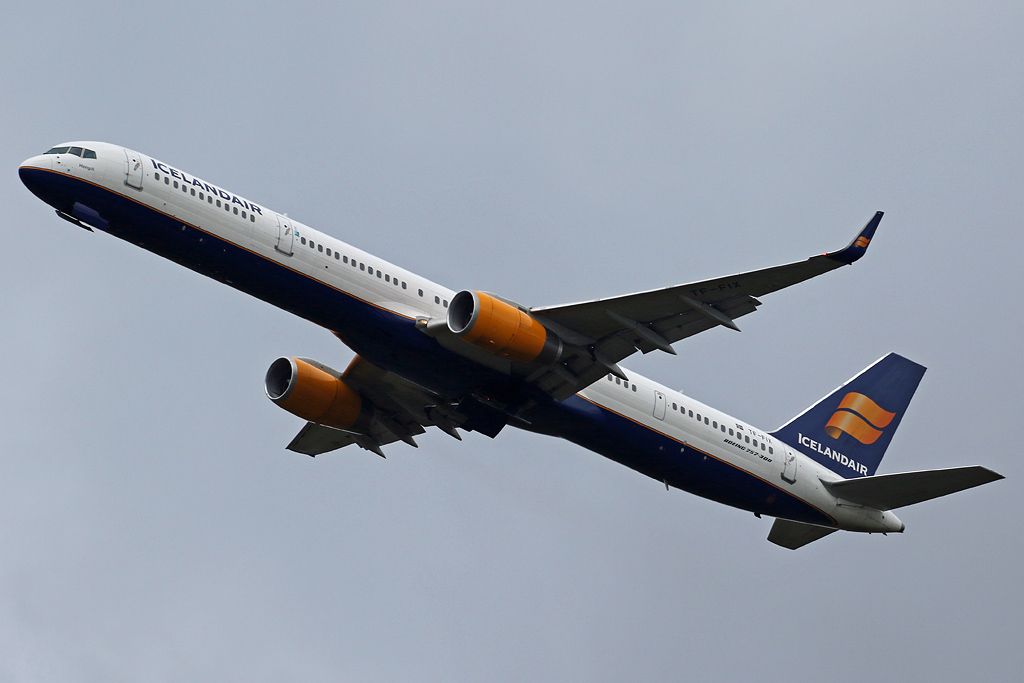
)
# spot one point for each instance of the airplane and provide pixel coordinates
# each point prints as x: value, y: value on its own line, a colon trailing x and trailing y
x: 427, y: 356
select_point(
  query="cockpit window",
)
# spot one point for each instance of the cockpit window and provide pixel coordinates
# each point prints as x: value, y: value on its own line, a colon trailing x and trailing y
x: 77, y: 151
x: 57, y: 150
x: 88, y: 154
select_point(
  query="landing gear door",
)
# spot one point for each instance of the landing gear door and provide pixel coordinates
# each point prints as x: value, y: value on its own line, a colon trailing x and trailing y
x: 285, y: 235
x: 133, y: 169
x: 659, y: 405
x: 789, y: 467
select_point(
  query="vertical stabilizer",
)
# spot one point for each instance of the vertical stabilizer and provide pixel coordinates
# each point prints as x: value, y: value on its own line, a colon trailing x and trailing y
x: 849, y: 430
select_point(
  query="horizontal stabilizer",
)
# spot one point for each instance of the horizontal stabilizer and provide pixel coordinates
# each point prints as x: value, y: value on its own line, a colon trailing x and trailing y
x: 890, y: 491
x: 795, y: 535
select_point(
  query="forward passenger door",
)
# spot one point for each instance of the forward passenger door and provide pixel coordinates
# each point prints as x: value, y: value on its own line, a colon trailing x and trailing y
x: 133, y: 169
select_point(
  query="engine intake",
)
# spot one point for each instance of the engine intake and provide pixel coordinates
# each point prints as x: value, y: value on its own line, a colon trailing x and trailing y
x: 312, y: 393
x: 503, y: 329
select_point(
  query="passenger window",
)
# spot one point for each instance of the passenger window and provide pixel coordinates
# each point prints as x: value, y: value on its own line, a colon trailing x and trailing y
x: 344, y: 259
x: 236, y: 209
x: 175, y: 184
x: 446, y: 306
x: 723, y: 429
x: 770, y: 450
x: 77, y: 151
x: 731, y: 432
x: 156, y: 176
x: 755, y: 443
x: 320, y: 248
x: 370, y: 271
x: 690, y: 413
x: 337, y: 256
x: 167, y: 181
x: 362, y: 266
x: 698, y: 417
x: 715, y: 425
x: 202, y: 196
x: 706, y: 421
x: 618, y: 381
x: 674, y: 407
x: 746, y: 438
x: 193, y: 191
x: 634, y: 387
x: 252, y: 218
x: 218, y: 201
x: 387, y: 279
x: 209, y: 198
x: 421, y: 292
x: 437, y: 299
x: 403, y: 285
x: 328, y: 252
x: 88, y: 154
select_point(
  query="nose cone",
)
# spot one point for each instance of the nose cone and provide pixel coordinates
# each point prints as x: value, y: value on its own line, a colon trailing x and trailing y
x: 33, y: 172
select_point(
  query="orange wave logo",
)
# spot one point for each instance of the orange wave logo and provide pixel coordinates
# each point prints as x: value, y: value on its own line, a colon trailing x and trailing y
x: 860, y: 417
x: 862, y: 241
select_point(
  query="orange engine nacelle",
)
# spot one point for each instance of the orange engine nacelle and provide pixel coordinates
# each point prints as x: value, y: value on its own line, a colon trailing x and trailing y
x: 312, y: 393
x: 490, y: 323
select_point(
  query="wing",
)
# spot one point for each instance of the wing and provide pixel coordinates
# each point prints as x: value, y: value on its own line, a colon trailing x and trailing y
x: 399, y: 411
x: 605, y: 331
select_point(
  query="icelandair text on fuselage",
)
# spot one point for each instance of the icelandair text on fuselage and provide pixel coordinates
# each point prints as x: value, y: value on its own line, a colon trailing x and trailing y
x: 829, y: 453
x: 212, y: 189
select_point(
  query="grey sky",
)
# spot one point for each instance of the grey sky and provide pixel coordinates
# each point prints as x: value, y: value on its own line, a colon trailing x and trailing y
x: 153, y: 526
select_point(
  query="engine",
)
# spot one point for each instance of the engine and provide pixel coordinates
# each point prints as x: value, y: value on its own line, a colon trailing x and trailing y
x: 501, y: 328
x: 312, y: 393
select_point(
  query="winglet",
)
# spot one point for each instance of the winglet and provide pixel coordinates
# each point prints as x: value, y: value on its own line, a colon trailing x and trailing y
x: 855, y: 249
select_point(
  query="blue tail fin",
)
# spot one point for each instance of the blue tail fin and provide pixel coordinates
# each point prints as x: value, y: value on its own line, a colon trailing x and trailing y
x: 849, y: 430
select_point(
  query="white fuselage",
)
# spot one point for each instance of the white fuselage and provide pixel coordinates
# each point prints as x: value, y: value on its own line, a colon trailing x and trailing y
x: 698, y: 430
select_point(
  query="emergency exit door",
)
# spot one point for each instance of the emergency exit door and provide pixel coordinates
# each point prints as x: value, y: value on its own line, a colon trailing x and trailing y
x: 659, y: 405
x: 285, y: 235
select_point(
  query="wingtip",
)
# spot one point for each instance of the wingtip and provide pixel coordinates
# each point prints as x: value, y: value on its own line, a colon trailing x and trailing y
x: 859, y: 246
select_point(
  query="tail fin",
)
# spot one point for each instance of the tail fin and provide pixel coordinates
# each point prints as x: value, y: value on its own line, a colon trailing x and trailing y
x: 849, y: 430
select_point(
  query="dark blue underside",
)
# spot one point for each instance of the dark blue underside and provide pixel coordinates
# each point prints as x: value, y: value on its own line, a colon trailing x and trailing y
x: 391, y: 341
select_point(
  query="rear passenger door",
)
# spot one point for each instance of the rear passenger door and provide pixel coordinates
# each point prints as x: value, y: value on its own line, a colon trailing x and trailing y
x: 789, y: 466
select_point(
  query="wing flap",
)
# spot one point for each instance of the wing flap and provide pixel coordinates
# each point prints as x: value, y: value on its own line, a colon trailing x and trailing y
x: 401, y: 410
x: 314, y: 439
